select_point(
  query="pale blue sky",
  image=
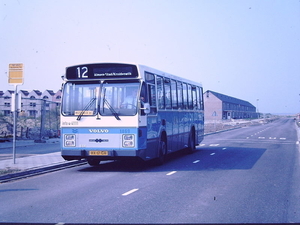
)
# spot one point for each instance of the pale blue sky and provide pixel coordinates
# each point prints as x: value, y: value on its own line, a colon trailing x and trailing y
x: 248, y: 49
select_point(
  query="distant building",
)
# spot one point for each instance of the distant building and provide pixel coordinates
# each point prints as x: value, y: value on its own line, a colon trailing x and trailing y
x: 31, y: 102
x: 5, y: 103
x: 223, y: 107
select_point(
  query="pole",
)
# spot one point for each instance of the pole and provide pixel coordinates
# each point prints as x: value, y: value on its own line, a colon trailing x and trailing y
x: 15, y: 123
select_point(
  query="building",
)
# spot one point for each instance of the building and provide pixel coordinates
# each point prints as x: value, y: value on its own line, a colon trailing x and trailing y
x: 6, y: 102
x: 32, y: 102
x: 223, y: 107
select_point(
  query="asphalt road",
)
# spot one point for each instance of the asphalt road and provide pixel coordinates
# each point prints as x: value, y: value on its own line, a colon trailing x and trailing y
x: 29, y: 147
x: 247, y: 175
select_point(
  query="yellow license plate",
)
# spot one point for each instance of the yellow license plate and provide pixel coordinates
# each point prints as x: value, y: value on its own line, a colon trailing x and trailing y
x: 98, y: 153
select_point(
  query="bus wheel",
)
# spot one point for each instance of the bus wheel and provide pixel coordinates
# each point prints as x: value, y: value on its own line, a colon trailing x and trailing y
x: 93, y: 162
x: 161, y: 153
x: 191, y: 145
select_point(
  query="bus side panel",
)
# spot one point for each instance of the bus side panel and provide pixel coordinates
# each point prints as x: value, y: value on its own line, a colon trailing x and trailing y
x: 153, y: 126
x: 142, y: 143
x: 199, y: 119
x: 168, y: 117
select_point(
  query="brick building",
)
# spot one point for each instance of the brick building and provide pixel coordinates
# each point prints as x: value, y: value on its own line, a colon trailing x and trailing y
x: 223, y: 107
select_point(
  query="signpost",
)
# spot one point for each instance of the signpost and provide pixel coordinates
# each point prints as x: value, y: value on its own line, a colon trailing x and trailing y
x: 15, y: 78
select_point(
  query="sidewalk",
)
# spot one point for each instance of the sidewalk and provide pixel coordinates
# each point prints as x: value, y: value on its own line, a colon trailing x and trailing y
x: 33, y: 162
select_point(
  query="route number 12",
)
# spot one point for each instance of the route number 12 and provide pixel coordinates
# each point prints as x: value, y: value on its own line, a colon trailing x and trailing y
x: 82, y: 72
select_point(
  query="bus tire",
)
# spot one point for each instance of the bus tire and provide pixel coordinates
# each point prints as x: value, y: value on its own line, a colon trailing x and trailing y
x: 162, y: 149
x: 93, y: 162
x: 192, y: 143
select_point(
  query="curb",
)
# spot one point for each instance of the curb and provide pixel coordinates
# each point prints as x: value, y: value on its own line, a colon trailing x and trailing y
x: 40, y: 170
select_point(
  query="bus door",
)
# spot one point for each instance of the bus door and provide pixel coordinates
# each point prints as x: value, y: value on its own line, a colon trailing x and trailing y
x: 153, y: 124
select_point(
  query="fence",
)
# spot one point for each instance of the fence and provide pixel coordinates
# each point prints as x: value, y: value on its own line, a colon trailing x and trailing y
x: 38, y: 120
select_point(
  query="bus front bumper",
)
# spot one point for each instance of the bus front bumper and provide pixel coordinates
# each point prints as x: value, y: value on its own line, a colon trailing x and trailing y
x: 72, y: 154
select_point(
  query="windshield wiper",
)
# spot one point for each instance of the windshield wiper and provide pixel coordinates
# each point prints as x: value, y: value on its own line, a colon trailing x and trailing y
x: 85, y: 108
x: 111, y: 109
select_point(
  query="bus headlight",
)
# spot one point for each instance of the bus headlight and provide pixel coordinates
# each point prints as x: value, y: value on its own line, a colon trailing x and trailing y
x: 69, y: 140
x: 128, y: 140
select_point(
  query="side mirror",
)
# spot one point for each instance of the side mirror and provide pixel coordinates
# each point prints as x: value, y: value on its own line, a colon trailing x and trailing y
x: 146, y: 108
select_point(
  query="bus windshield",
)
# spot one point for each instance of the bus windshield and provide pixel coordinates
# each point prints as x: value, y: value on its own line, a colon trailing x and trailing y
x: 80, y: 99
x: 119, y: 99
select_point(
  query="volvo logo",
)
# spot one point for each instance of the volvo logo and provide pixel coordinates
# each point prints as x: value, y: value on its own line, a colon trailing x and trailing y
x: 98, y: 130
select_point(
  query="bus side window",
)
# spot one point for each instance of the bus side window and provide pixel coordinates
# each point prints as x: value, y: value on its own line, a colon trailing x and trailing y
x: 160, y: 92
x: 167, y: 94
x: 190, y: 97
x: 144, y: 95
x: 180, y: 95
x: 152, y: 100
x: 200, y: 98
x: 185, y: 97
x: 150, y: 79
x: 174, y: 94
x: 195, y: 98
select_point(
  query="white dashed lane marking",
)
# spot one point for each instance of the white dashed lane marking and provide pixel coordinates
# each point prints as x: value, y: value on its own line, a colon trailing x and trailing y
x: 214, y: 144
x: 168, y: 174
x: 196, y: 161
x: 130, y: 192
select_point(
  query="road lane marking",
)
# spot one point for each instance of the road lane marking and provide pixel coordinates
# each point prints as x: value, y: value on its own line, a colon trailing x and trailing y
x: 272, y: 138
x: 214, y: 144
x: 168, y: 174
x: 212, y: 153
x: 196, y: 161
x: 223, y: 148
x: 130, y: 192
x: 202, y: 145
x: 282, y: 138
x: 261, y: 137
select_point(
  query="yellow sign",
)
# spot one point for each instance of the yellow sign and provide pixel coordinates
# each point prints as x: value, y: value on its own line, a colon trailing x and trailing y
x: 15, y: 73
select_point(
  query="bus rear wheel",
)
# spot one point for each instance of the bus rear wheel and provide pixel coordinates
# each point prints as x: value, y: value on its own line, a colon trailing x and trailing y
x: 191, y: 144
x: 93, y: 162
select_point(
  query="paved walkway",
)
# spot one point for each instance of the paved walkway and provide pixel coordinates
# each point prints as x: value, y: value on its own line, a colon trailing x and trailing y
x: 32, y: 161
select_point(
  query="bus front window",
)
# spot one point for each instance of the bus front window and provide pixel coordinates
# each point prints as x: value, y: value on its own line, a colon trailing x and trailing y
x: 80, y: 99
x: 119, y: 99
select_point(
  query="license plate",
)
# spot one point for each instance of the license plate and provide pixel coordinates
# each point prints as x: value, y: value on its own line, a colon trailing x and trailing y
x: 98, y: 153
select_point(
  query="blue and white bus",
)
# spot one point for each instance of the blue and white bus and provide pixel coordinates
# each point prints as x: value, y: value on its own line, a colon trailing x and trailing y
x: 116, y: 111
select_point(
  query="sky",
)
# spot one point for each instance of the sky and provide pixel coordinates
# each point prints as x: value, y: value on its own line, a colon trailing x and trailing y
x: 247, y: 49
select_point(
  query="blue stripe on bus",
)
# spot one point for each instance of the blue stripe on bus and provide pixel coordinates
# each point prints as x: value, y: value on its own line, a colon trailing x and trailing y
x: 94, y: 130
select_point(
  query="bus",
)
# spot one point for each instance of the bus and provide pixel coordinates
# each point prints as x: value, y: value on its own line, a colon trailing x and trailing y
x: 115, y: 111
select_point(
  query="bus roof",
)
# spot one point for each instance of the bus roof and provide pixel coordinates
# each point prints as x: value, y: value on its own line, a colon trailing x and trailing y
x: 141, y: 69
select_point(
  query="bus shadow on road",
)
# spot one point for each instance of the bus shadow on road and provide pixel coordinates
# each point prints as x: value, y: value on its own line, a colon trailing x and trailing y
x: 209, y: 158
x: 227, y: 158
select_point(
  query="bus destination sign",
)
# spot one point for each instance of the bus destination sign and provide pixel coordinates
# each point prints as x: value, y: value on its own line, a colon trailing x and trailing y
x: 99, y: 71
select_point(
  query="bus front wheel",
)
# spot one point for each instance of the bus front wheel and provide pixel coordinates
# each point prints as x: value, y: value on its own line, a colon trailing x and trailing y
x: 93, y: 162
